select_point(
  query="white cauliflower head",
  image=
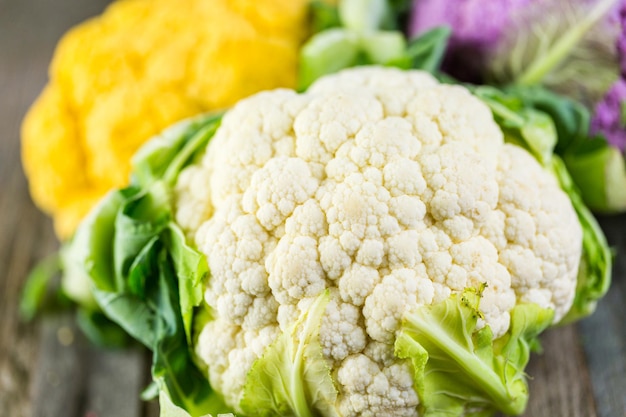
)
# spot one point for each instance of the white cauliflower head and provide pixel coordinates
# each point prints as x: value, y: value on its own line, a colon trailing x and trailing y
x: 391, y: 190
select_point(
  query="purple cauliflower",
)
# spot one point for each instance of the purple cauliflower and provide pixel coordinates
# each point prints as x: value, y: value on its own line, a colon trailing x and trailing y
x: 509, y: 40
x: 609, y: 118
x: 477, y: 22
x: 477, y: 28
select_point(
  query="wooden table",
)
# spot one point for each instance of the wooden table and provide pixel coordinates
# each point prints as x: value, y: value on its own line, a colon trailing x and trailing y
x: 47, y: 369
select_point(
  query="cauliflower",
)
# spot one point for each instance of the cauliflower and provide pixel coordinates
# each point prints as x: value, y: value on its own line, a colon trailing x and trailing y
x: 389, y: 193
x: 120, y: 78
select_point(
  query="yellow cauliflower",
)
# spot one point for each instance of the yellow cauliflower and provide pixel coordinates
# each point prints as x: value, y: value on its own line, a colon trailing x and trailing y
x: 120, y: 78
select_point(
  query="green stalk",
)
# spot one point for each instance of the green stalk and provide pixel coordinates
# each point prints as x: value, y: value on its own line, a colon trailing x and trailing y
x: 476, y: 369
x: 297, y: 386
x: 536, y: 72
x: 309, y: 327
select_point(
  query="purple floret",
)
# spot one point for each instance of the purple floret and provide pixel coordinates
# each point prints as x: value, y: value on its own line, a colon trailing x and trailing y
x: 478, y: 22
x: 608, y: 119
x: 480, y: 28
x: 477, y: 26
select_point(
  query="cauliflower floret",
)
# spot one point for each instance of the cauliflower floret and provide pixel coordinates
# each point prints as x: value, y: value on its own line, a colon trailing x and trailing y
x: 400, y: 291
x: 294, y: 270
x: 390, y: 190
x: 342, y: 331
x: 538, y: 254
x: 370, y: 389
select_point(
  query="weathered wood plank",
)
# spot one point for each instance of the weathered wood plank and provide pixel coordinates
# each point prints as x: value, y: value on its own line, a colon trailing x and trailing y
x: 604, y: 333
x: 26, y: 236
x: 59, y: 380
x: 77, y: 379
x: 115, y: 379
x: 29, y: 30
x: 559, y: 382
x: 24, y: 233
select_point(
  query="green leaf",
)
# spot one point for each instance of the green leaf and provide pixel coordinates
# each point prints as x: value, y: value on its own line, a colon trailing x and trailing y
x: 142, y: 218
x: 325, y: 53
x: 192, y: 271
x: 130, y: 313
x: 323, y: 16
x: 172, y: 366
x: 100, y: 330
x: 150, y: 392
x: 169, y: 409
x: 540, y: 134
x: 37, y: 286
x: 87, y: 257
x: 164, y: 156
x: 152, y: 159
x: 426, y: 51
x: 458, y: 369
x: 292, y: 377
x: 599, y: 172
x: 194, y: 145
x: 383, y: 47
x: 521, y: 124
x: 365, y: 15
x: 143, y: 274
x: 155, y: 319
x: 332, y: 50
x: 361, y: 42
x: 594, y: 272
x: 142, y: 266
x: 570, y: 118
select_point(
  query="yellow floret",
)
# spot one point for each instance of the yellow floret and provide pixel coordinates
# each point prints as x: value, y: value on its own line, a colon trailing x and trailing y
x: 120, y: 78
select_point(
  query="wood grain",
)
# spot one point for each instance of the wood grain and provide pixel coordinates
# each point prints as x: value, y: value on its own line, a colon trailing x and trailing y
x: 559, y: 381
x: 115, y: 381
x: 58, y: 382
x: 604, y: 333
x: 582, y: 372
x: 29, y: 29
x: 75, y: 378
